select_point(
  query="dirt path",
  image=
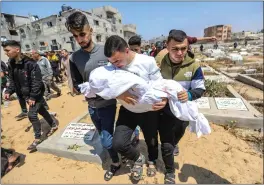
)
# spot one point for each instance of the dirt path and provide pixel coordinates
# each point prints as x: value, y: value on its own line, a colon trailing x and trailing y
x: 218, y: 158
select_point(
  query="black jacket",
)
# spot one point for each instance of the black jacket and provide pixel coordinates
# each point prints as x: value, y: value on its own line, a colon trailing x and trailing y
x: 25, y: 79
x: 4, y: 67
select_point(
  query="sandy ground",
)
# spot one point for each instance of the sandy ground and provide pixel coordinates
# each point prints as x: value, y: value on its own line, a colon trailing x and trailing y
x: 218, y: 158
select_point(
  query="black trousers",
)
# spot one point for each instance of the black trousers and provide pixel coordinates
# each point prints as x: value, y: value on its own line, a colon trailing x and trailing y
x: 125, y: 126
x: 22, y: 103
x: 33, y: 112
x: 171, y: 130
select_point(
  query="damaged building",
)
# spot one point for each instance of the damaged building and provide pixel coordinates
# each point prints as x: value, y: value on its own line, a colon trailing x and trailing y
x: 221, y: 32
x: 9, y: 25
x: 50, y: 33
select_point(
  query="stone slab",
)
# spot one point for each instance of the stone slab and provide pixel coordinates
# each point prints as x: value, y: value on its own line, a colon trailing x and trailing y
x: 230, y: 75
x: 250, y: 81
x: 219, y: 78
x: 203, y: 103
x: 79, y: 131
x: 206, y: 69
x: 89, y: 150
x: 241, y: 122
x: 230, y: 104
x: 251, y: 109
x: 244, y: 119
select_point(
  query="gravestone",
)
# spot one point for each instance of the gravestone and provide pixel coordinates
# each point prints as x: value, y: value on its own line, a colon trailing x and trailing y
x: 230, y: 103
x: 79, y: 131
x: 218, y: 78
x: 77, y: 141
x: 206, y: 69
x: 250, y: 71
x: 203, y: 103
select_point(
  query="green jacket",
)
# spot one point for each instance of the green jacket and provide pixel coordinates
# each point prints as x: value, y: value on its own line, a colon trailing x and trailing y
x: 188, y: 73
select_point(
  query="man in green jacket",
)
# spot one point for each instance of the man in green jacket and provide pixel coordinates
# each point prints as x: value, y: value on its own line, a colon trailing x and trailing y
x: 181, y: 67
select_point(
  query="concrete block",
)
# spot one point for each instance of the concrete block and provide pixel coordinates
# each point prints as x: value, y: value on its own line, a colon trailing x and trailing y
x: 244, y: 119
x: 251, y: 109
x: 90, y: 151
x: 250, y: 81
x: 230, y: 75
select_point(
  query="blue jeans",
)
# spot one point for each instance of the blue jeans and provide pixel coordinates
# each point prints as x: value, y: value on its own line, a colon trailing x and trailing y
x: 104, y: 119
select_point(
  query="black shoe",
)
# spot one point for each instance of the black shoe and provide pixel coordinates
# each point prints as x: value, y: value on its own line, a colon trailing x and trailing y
x: 59, y: 94
x: 169, y: 178
x: 54, y: 127
x: 176, y: 151
x: 124, y: 160
x: 111, y: 172
x: 34, y: 145
x: 21, y: 116
x: 48, y: 97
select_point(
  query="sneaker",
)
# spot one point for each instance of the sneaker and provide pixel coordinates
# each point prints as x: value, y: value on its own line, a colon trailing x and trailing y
x: 21, y: 116
x: 54, y: 128
x: 124, y: 159
x: 34, y: 145
x: 176, y: 151
x: 137, y: 170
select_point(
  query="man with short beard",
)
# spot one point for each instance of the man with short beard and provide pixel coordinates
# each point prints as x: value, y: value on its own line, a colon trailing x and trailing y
x: 82, y: 62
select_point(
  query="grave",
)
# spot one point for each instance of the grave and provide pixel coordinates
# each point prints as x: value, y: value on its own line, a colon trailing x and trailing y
x: 203, y: 103
x: 247, y: 79
x: 230, y: 104
x: 223, y: 111
x: 218, y: 78
x: 77, y: 141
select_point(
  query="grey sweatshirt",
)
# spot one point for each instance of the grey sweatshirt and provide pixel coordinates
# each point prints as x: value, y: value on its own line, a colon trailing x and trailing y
x: 81, y: 65
x: 45, y: 67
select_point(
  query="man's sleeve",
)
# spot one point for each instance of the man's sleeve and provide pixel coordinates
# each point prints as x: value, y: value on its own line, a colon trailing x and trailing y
x: 47, y: 63
x: 197, y: 85
x: 4, y: 67
x: 192, y: 40
x: 36, y: 81
x: 11, y: 88
x: 75, y: 75
x: 154, y: 70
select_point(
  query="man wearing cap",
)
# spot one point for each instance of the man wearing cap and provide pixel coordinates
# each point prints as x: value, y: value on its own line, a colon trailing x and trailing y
x: 46, y: 72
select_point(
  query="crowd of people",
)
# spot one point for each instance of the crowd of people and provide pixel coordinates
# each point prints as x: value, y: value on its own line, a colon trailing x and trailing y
x: 32, y: 75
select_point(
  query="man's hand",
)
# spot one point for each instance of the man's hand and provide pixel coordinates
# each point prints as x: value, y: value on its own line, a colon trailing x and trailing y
x: 160, y: 105
x: 213, y: 38
x: 183, y: 96
x: 31, y: 102
x: 6, y: 96
x: 128, y: 98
